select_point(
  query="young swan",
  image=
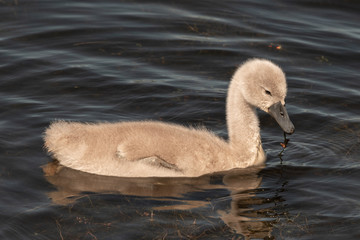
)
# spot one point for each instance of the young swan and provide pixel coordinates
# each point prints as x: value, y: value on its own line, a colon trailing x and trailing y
x: 150, y: 148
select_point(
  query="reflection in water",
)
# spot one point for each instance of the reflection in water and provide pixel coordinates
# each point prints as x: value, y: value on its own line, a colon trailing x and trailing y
x: 236, y: 211
x: 241, y: 217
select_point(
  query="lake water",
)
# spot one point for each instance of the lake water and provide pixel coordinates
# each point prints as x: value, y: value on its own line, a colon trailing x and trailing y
x: 112, y: 60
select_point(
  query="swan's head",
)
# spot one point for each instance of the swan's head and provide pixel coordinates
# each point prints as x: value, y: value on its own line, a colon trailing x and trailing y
x: 263, y: 85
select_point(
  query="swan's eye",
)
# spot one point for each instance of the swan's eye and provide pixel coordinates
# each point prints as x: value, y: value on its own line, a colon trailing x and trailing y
x: 268, y: 92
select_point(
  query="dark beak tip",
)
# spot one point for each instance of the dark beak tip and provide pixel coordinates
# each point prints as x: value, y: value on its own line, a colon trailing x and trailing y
x: 292, y: 130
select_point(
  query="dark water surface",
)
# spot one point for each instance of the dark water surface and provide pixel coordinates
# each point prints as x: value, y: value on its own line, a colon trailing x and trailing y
x: 112, y: 60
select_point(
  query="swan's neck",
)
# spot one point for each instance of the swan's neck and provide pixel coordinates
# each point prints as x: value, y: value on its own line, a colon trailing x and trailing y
x: 243, y: 125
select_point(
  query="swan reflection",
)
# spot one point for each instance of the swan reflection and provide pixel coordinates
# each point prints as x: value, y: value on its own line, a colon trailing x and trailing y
x: 236, y: 208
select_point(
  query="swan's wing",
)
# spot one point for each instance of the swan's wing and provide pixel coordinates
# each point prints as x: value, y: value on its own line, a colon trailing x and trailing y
x: 158, y: 162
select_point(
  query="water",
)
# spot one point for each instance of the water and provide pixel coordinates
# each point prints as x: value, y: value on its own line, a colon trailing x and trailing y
x: 172, y: 61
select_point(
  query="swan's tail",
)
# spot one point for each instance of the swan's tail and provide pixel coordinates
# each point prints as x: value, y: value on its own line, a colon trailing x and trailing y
x: 62, y: 140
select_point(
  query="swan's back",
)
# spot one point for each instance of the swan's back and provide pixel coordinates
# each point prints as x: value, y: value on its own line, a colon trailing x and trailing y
x: 119, y: 146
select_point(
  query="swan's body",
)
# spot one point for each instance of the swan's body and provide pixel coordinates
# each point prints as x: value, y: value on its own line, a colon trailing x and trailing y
x: 150, y: 148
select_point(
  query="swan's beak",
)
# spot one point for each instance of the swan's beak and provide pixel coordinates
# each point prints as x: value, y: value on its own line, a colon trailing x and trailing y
x: 278, y: 111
